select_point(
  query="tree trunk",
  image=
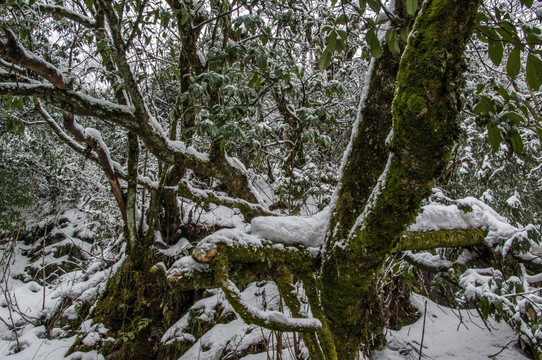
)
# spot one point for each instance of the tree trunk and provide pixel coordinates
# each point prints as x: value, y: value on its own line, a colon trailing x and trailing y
x: 361, y: 236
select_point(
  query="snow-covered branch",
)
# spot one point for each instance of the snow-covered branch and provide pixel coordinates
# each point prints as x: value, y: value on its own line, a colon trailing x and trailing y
x: 241, y: 248
x: 78, y: 103
x: 66, y: 13
x: 16, y: 53
x: 62, y: 135
x: 272, y: 320
x: 249, y: 210
x: 441, y: 238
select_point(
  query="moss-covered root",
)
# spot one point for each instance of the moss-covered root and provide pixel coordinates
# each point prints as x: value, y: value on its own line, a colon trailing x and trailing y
x: 425, y: 111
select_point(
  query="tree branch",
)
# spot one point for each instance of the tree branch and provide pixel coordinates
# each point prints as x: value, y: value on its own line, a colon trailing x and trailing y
x: 93, y: 139
x: 66, y: 13
x: 122, y: 64
x: 249, y: 210
x: 16, y: 53
x: 272, y: 320
x: 442, y: 238
x: 75, y: 102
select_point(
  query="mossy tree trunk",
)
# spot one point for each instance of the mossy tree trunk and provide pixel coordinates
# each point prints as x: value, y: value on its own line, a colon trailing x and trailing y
x: 362, y: 234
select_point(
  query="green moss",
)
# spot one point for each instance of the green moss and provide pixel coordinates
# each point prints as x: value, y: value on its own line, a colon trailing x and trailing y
x: 416, y: 104
x: 137, y: 306
x: 441, y: 238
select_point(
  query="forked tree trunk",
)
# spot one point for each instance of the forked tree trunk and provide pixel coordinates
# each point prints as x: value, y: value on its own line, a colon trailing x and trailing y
x: 362, y: 234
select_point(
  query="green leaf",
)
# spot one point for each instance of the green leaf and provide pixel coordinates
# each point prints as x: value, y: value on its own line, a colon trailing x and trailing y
x: 517, y: 144
x: 484, y: 307
x: 341, y: 20
x: 374, y: 44
x: 404, y: 33
x: 495, y: 50
x: 538, y: 129
x: 411, y: 7
x: 325, y: 60
x: 332, y: 41
x: 393, y: 43
x: 375, y: 5
x: 362, y: 6
x: 534, y: 72
x: 343, y: 34
x: 512, y: 116
x: 525, y: 111
x: 527, y: 3
x: 494, y: 135
x: 503, y: 92
x: 484, y: 107
x: 513, y: 65
x: 481, y: 17
x: 185, y: 17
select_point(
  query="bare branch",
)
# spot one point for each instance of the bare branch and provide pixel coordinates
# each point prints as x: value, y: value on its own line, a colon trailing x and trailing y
x: 93, y: 138
x: 62, y: 135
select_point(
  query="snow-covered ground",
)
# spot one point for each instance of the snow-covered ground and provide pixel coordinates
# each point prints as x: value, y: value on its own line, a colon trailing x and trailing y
x: 449, y: 334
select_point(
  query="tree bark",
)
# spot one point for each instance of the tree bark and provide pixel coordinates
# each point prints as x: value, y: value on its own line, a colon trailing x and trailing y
x: 424, y: 111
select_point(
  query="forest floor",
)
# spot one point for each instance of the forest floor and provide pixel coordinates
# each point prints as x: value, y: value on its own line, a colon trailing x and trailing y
x: 445, y: 334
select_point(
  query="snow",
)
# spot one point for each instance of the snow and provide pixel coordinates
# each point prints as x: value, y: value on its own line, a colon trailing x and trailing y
x: 199, y: 155
x: 450, y: 334
x: 214, y: 215
x: 513, y: 201
x: 308, y: 231
x: 354, y: 133
x: 187, y: 265
x: 469, y: 213
x: 177, y: 249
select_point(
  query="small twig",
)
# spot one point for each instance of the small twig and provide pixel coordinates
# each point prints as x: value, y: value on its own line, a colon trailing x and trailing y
x: 483, y: 320
x: 423, y: 330
x: 505, y: 346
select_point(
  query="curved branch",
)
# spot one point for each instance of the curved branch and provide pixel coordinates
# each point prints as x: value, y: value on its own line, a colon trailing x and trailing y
x: 16, y: 53
x: 271, y: 320
x: 62, y: 135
